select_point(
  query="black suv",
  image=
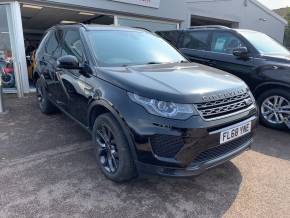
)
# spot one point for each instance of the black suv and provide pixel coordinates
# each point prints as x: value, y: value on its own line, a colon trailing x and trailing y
x: 147, y: 108
x: 256, y: 58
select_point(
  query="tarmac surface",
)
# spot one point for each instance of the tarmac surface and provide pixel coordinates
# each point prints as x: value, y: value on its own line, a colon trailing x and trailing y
x: 47, y: 169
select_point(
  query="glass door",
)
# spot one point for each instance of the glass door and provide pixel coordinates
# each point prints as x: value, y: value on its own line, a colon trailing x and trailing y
x: 13, y: 67
x: 6, y: 56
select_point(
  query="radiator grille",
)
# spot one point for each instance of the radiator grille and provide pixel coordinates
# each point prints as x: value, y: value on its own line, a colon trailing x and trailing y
x: 221, y: 150
x: 218, y: 108
x: 166, y: 146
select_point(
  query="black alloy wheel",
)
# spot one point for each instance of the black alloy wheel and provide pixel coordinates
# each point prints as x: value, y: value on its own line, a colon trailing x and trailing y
x: 108, y: 152
x: 44, y: 103
x: 112, y: 149
x: 39, y: 95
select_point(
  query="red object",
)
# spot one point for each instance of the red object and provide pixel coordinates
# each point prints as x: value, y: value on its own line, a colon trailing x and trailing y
x: 8, y: 70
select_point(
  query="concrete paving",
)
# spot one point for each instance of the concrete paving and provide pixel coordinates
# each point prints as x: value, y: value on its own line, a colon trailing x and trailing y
x: 47, y: 169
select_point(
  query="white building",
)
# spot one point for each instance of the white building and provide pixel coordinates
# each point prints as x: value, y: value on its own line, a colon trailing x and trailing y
x: 28, y: 20
x: 244, y: 14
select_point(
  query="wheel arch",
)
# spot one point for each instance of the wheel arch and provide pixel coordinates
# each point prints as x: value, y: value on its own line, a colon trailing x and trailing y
x: 98, y: 107
x: 267, y: 86
x: 95, y: 110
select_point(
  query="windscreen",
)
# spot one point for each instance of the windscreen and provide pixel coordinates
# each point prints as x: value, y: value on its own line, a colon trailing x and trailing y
x: 128, y: 48
x: 265, y: 44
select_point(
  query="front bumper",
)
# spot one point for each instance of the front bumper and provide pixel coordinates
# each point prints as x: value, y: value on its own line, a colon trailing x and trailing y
x: 193, y: 169
x: 183, y: 148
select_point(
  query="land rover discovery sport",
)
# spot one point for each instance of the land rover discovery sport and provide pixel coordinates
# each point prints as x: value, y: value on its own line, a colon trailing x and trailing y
x: 259, y: 60
x: 147, y: 108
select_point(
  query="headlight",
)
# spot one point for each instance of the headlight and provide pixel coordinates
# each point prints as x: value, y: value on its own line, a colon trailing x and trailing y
x: 253, y: 99
x: 164, y: 109
x: 251, y: 95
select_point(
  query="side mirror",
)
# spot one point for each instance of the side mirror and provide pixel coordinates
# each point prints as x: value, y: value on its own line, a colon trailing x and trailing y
x: 241, y: 52
x: 68, y: 62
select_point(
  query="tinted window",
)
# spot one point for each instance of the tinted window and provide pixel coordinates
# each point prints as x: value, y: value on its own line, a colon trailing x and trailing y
x: 42, y: 45
x: 225, y: 42
x: 51, y: 44
x: 72, y: 45
x: 196, y: 40
x: 170, y: 36
x: 264, y: 44
x: 122, y: 48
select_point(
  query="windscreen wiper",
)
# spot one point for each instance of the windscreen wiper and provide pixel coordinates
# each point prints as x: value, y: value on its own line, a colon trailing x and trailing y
x: 153, y: 62
x: 148, y: 63
x: 183, y: 61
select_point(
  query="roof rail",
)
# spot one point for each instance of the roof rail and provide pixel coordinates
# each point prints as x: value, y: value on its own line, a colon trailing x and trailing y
x: 68, y: 24
x: 142, y: 28
x: 83, y: 25
x: 210, y: 27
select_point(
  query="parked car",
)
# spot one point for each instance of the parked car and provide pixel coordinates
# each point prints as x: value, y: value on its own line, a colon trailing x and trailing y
x: 148, y: 109
x: 259, y: 60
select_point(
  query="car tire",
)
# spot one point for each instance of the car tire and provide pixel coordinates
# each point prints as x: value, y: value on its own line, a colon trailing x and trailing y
x: 44, y: 103
x: 112, y: 149
x: 266, y: 109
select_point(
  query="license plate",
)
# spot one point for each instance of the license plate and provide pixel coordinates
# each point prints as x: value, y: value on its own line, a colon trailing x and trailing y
x: 235, y: 133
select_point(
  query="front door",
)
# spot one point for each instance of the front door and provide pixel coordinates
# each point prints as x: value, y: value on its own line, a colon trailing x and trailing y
x: 221, y: 55
x: 76, y: 90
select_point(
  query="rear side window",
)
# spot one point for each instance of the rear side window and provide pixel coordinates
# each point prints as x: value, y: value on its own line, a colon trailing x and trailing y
x: 196, y: 40
x: 51, y: 44
x: 225, y: 42
x: 170, y: 36
x: 42, y: 45
x: 72, y: 45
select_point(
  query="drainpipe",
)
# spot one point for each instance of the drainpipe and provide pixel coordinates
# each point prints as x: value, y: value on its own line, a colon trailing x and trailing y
x: 2, y: 109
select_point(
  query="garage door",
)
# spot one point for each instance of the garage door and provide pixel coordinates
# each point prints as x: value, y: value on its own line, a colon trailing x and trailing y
x: 152, y: 25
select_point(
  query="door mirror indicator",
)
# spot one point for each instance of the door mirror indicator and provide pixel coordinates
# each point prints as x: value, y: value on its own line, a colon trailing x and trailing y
x: 68, y: 62
x: 241, y: 52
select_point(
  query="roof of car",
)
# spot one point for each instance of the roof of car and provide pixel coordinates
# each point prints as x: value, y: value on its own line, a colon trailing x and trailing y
x: 199, y: 28
x: 246, y: 31
x: 213, y: 28
x: 209, y: 27
x: 90, y: 27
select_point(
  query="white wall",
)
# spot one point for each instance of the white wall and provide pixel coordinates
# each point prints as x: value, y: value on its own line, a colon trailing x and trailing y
x: 248, y: 13
x: 272, y: 26
x: 169, y: 9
